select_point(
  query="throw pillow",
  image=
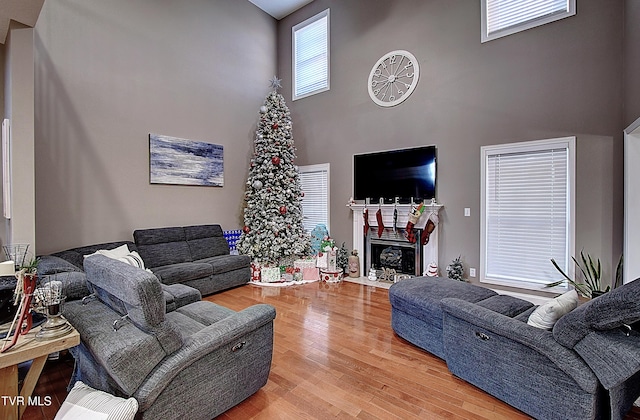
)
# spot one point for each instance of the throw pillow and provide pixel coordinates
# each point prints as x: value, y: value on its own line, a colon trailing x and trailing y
x: 122, y: 253
x: 115, y: 253
x: 545, y: 316
x: 84, y: 402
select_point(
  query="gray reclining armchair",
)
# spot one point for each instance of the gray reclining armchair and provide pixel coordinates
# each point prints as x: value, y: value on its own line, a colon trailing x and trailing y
x: 195, y: 362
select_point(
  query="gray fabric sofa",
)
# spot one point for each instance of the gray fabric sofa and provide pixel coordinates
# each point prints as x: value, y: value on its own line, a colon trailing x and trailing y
x: 191, y: 363
x: 587, y: 367
x: 197, y: 256
x: 68, y: 267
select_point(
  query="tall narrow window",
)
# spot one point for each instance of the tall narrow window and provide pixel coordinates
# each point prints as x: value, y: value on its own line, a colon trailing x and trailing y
x: 314, y: 181
x: 311, y: 56
x: 506, y: 17
x: 527, y: 212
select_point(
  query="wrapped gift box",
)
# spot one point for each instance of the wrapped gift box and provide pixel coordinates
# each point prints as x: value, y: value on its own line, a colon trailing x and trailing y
x: 270, y: 274
x: 331, y: 276
x: 255, y: 272
x: 310, y: 274
x: 304, y: 263
x: 327, y: 260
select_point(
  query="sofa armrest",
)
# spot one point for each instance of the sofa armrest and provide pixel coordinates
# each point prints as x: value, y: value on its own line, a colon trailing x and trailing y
x: 227, y: 335
x: 537, y: 339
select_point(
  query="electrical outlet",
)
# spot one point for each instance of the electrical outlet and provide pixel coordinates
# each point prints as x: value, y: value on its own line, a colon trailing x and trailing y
x: 472, y: 272
x: 467, y: 212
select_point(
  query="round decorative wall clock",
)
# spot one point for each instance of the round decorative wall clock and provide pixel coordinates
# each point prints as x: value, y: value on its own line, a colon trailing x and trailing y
x: 393, y: 78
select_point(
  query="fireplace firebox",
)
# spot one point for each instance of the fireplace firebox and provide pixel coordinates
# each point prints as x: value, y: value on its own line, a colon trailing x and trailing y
x: 392, y: 250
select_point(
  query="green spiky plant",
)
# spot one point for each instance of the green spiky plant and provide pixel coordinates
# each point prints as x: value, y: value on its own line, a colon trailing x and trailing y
x: 591, y: 274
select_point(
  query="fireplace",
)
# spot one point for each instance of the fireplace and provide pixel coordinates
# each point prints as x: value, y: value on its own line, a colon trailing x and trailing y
x: 415, y: 258
x: 393, y: 250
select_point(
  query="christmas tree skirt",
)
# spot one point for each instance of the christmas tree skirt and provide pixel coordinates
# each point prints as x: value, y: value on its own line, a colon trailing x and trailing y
x: 281, y: 283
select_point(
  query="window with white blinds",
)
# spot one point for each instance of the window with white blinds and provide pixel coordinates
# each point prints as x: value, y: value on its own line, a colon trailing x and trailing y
x: 506, y: 17
x: 527, y: 212
x: 314, y: 181
x: 311, y: 56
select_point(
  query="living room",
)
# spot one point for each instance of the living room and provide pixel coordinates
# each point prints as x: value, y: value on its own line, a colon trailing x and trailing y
x: 103, y: 82
x: 104, y: 75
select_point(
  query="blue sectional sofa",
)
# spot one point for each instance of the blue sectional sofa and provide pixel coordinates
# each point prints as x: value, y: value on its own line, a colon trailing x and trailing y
x: 181, y: 257
x: 586, y: 367
x: 197, y: 256
x: 194, y: 362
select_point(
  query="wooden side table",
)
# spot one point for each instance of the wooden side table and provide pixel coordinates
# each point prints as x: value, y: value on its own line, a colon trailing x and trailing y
x: 12, y: 402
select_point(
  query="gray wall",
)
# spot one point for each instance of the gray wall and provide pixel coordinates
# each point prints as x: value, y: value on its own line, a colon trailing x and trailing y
x: 631, y: 69
x: 561, y: 79
x: 107, y: 74
x: 19, y: 109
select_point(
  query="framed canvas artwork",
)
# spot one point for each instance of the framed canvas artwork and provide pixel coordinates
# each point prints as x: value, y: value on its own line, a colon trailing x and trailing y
x: 173, y: 160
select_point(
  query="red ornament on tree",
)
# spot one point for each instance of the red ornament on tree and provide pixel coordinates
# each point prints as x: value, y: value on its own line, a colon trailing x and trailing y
x: 275, y: 160
x: 283, y: 210
x: 275, y: 126
x: 246, y: 229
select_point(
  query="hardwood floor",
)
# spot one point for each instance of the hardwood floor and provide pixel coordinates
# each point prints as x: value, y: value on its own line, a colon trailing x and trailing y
x: 335, y: 356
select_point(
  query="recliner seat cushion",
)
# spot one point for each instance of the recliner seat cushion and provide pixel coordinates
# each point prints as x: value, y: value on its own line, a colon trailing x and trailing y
x: 226, y: 263
x: 183, y: 272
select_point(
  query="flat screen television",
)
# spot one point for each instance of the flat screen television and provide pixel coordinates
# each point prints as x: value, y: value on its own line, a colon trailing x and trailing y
x: 403, y: 173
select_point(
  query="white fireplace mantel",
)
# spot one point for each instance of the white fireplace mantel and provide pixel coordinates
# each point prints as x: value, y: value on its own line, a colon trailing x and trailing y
x: 429, y: 251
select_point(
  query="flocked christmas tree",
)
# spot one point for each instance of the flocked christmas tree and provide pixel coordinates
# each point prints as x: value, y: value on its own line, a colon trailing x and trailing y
x: 273, y: 230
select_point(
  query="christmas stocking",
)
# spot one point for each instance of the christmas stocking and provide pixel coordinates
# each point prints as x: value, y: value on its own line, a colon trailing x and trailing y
x: 365, y: 215
x: 410, y: 233
x: 380, y: 224
x: 431, y: 225
x: 414, y: 215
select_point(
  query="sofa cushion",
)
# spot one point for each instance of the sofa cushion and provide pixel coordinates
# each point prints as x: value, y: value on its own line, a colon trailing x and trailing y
x: 84, y: 402
x: 206, y: 241
x: 76, y: 255
x: 611, y: 310
x: 226, y: 263
x: 123, y: 254
x: 546, y: 315
x: 420, y: 297
x: 616, y: 308
x: 162, y: 246
x: 51, y: 264
x: 183, y: 272
x: 206, y: 313
x: 506, y: 305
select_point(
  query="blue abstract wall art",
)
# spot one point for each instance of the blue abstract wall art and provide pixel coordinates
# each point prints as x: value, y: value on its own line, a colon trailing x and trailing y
x: 185, y: 162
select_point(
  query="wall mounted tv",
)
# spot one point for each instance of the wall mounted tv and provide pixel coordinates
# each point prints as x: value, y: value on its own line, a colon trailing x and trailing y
x: 403, y: 173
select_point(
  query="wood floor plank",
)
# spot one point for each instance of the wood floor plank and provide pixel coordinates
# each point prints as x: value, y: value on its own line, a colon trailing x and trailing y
x: 335, y: 357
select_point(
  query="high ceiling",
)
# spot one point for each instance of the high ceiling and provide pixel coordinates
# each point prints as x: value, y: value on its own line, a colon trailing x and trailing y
x: 23, y: 11
x: 27, y: 11
x: 280, y: 8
